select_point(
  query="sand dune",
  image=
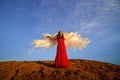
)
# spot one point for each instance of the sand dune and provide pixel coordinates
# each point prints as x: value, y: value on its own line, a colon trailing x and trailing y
x: 45, y: 70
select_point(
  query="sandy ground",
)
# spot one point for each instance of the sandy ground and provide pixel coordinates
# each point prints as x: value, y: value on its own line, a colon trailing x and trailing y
x: 45, y: 70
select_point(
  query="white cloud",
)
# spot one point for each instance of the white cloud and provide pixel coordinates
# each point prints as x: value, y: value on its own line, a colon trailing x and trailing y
x: 111, y: 4
x: 87, y: 27
x: 103, y: 14
x: 29, y: 52
x: 82, y: 16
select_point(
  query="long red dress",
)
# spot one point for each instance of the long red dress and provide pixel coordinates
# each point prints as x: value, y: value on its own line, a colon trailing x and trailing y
x: 61, y: 59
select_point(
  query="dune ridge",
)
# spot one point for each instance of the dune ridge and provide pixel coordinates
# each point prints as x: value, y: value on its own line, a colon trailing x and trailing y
x: 44, y: 70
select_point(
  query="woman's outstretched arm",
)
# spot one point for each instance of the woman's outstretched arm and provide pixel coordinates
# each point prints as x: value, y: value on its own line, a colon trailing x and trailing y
x: 68, y: 38
x: 51, y: 38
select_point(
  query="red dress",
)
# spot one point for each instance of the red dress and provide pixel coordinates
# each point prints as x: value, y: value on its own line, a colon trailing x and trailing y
x: 61, y: 59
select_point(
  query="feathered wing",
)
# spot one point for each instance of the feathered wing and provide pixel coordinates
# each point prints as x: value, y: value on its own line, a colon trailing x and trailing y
x: 74, y: 40
x: 46, y: 42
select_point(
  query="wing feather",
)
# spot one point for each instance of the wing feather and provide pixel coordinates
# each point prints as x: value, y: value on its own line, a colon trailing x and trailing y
x: 74, y: 40
x: 46, y: 42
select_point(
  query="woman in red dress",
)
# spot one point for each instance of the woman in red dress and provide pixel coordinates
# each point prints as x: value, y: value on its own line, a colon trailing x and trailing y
x: 61, y: 59
x: 72, y: 40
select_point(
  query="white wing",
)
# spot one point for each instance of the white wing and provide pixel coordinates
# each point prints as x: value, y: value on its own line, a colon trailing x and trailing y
x: 74, y: 40
x: 46, y: 42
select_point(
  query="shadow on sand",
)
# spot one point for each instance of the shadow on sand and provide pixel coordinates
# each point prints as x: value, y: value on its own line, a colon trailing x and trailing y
x: 46, y: 64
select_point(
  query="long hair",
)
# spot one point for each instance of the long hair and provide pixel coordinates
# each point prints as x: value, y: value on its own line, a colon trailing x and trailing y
x: 60, y: 35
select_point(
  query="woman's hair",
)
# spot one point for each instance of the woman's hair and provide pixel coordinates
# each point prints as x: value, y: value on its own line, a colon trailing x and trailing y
x: 60, y: 34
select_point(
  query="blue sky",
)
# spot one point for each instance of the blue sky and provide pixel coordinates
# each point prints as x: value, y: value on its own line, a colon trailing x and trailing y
x: 22, y: 21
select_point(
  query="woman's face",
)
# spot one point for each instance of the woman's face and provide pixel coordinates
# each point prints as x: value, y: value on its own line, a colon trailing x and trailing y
x: 61, y: 33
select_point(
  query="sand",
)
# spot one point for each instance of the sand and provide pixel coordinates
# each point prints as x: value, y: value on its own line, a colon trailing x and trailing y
x: 45, y: 70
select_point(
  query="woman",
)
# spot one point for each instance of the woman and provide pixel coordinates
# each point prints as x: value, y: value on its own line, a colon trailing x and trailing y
x: 62, y: 40
x: 61, y: 59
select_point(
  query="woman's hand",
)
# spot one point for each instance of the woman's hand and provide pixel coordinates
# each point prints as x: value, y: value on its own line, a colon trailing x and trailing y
x: 48, y: 37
